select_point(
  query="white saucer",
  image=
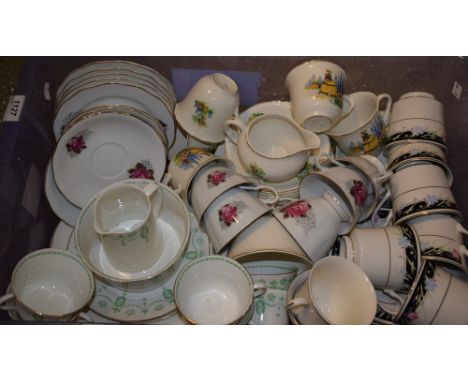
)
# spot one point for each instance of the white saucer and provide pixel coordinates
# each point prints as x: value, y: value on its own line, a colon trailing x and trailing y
x: 149, y: 299
x: 173, y: 224
x: 61, y: 236
x: 112, y: 146
x: 58, y: 202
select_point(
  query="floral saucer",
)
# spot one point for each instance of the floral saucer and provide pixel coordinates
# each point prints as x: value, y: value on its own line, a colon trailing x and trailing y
x: 58, y: 202
x: 149, y: 299
x: 98, y: 151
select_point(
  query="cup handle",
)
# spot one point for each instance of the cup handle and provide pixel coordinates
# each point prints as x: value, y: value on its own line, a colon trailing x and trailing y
x: 85, y: 317
x: 389, y: 217
x: 150, y: 188
x: 271, y: 189
x: 386, y: 115
x: 390, y: 293
x: 166, y: 180
x: 463, y: 254
x: 295, y: 302
x: 329, y: 158
x: 461, y: 229
x: 383, y: 178
x: 5, y: 298
x: 233, y: 128
x: 259, y: 289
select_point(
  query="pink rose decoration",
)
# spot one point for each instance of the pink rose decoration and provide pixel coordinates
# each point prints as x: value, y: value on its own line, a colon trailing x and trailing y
x: 412, y: 316
x: 228, y: 214
x: 216, y: 177
x: 76, y: 144
x: 141, y: 171
x: 359, y: 192
x: 456, y: 254
x: 296, y: 209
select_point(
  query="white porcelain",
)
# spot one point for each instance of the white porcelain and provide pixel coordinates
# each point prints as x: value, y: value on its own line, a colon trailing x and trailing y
x: 210, y: 181
x: 263, y: 235
x: 112, y: 94
x: 421, y: 188
x: 410, y: 150
x: 183, y: 167
x: 427, y: 160
x: 100, y: 150
x: 387, y: 255
x: 440, y: 237
x: 51, y: 285
x: 270, y: 307
x: 269, y: 107
x: 314, y: 223
x: 415, y: 128
x: 229, y: 214
x: 336, y: 292
x: 173, y: 224
x: 361, y: 132
x: 300, y: 279
x: 193, y: 142
x: 124, y: 218
x: 451, y: 311
x: 272, y: 147
x: 414, y: 105
x: 316, y: 89
x: 61, y: 236
x: 212, y: 99
x: 213, y: 290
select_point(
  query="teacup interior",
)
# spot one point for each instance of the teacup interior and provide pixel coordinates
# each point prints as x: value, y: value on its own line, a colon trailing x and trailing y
x: 342, y: 293
x: 52, y: 284
x: 364, y: 110
x: 122, y: 209
x: 214, y: 291
x: 276, y: 138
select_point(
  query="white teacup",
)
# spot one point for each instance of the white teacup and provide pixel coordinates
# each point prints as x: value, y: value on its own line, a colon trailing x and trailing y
x: 270, y: 307
x: 212, y: 99
x: 440, y: 237
x: 337, y: 291
x: 316, y: 89
x: 51, y: 285
x: 231, y: 213
x: 124, y: 216
x: 361, y: 132
x: 420, y: 188
x: 314, y: 223
x: 417, y: 105
x: 214, y: 290
x: 410, y: 150
x: 387, y: 255
x: 420, y: 129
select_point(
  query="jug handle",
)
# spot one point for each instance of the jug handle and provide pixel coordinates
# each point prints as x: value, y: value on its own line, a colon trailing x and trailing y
x: 233, y: 128
x: 329, y: 159
x: 386, y: 114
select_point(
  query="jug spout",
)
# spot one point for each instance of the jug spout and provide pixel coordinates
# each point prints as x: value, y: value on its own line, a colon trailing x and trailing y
x: 312, y: 141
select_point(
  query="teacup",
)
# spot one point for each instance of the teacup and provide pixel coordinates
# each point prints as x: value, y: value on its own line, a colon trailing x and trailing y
x: 183, y: 165
x: 51, y: 285
x: 314, y: 223
x: 424, y: 304
x: 231, y: 213
x: 272, y: 147
x: 402, y: 153
x: 193, y: 142
x: 420, y: 129
x: 427, y: 160
x: 420, y: 189
x: 213, y: 99
x: 440, y: 237
x: 361, y: 132
x: 270, y: 307
x: 214, y: 290
x: 263, y: 235
x: 417, y: 105
x: 387, y: 255
x: 210, y: 181
x: 124, y: 217
x: 336, y: 291
x: 316, y: 90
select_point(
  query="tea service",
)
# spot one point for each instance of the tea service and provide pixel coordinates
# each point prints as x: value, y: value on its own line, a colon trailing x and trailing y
x: 328, y: 208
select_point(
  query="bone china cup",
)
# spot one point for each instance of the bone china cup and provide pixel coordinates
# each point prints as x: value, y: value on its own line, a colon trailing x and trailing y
x: 361, y: 132
x: 420, y: 188
x: 270, y: 307
x: 212, y: 100
x: 124, y: 217
x: 316, y: 89
x: 337, y: 292
x: 52, y: 284
x: 213, y: 290
x: 272, y: 147
x: 401, y: 153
